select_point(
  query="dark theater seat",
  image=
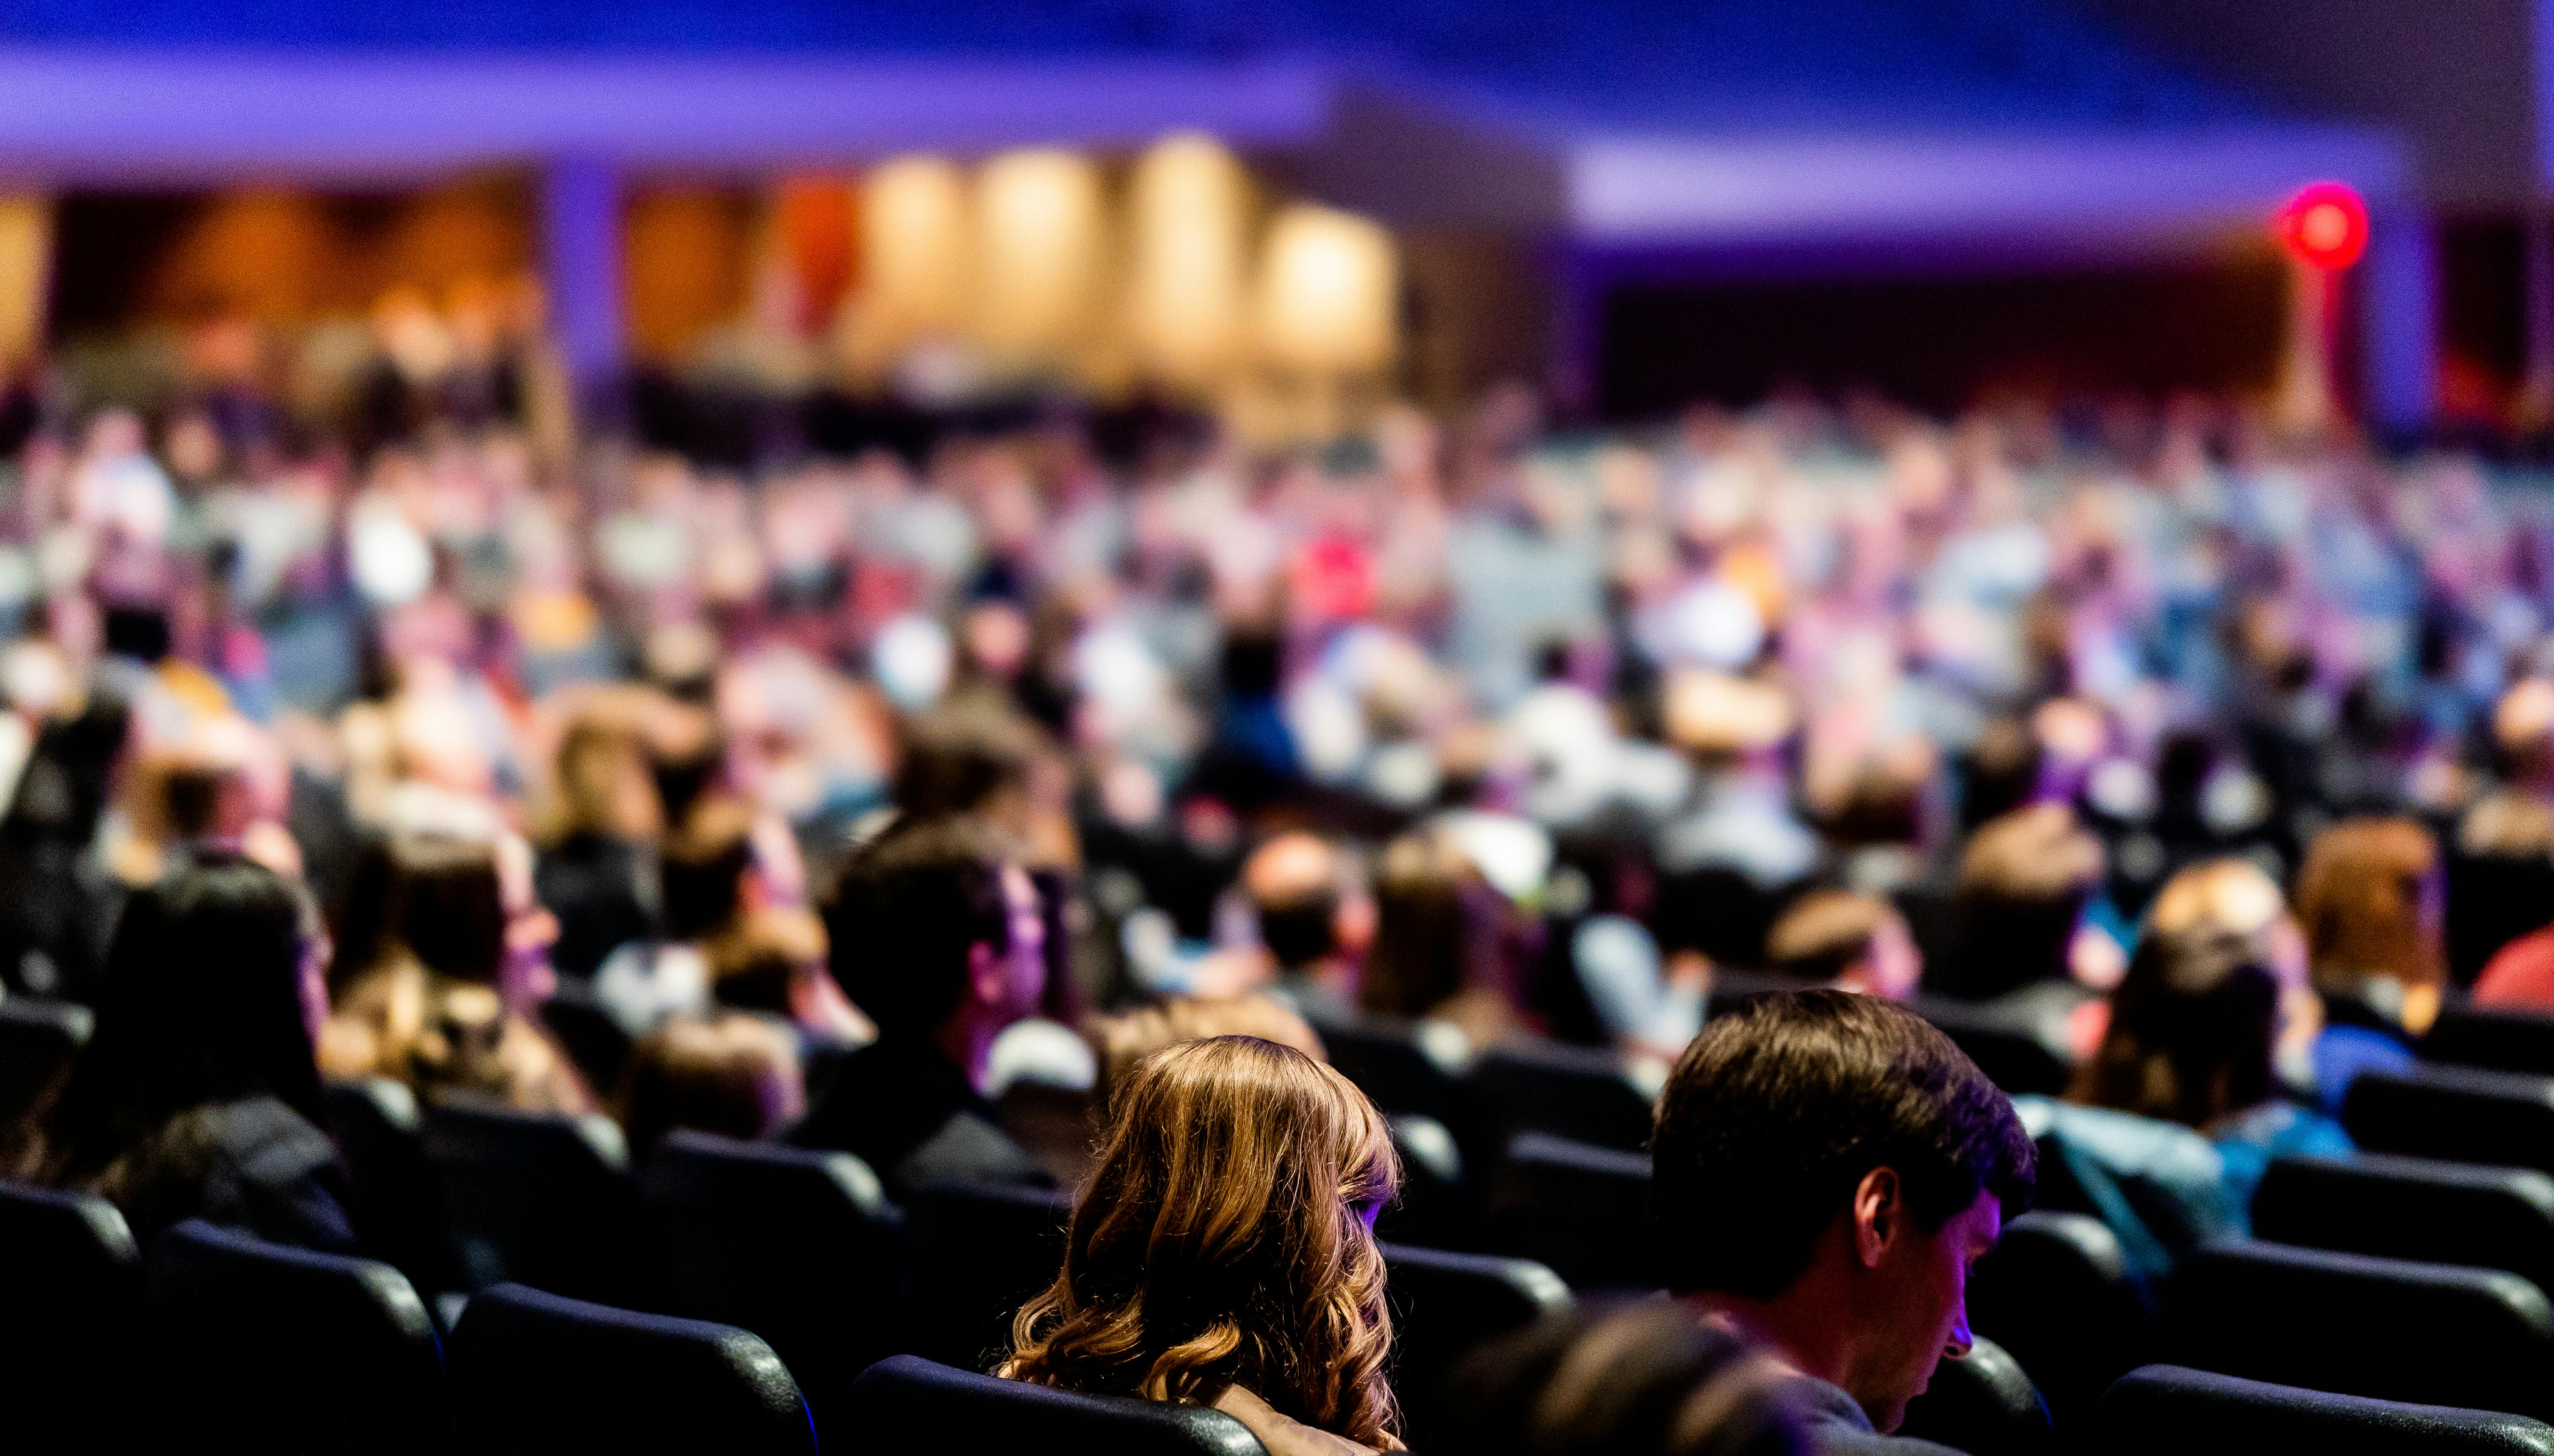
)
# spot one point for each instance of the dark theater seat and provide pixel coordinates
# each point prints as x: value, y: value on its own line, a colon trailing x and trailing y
x: 2386, y: 1329
x: 910, y: 1406
x: 39, y: 1041
x: 1582, y: 1211
x: 2493, y: 1037
x: 1574, y: 1092
x: 1444, y: 1306
x: 1390, y: 1060
x: 798, y: 1246
x: 2456, y: 1113
x: 2056, y: 1293
x: 1982, y: 1405
x: 2399, y: 1207
x: 71, y: 1301
x: 2167, y: 1407
x: 394, y: 1201
x: 264, y: 1348
x: 536, y: 1375
x: 541, y: 1199
x: 588, y: 1033
x: 976, y: 1256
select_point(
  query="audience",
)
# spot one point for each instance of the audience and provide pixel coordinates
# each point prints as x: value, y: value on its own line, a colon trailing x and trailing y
x: 2026, y: 878
x: 1437, y: 952
x: 2369, y: 901
x: 1826, y: 1169
x: 704, y: 893
x: 731, y: 1074
x: 1224, y: 1253
x: 1853, y: 942
x: 198, y: 1096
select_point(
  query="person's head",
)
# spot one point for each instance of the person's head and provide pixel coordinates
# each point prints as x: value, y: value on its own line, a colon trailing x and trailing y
x: 1836, y: 937
x: 2192, y: 1030
x: 603, y: 784
x: 935, y: 935
x: 1827, y: 1167
x: 1226, y: 1238
x: 1427, y: 928
x: 1641, y: 1379
x: 968, y: 759
x: 1293, y: 882
x: 2367, y: 898
x: 2522, y: 732
x: 2024, y: 879
x: 1122, y: 1039
x: 730, y: 1073
x: 763, y: 960
x: 211, y: 994
x: 466, y: 910
x: 703, y: 869
x: 2237, y: 898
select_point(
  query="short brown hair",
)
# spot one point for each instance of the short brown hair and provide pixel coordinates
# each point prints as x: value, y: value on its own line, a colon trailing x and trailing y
x: 2359, y: 900
x: 1824, y: 934
x: 2024, y: 882
x: 1779, y: 1109
x: 1120, y: 1041
x: 731, y: 1074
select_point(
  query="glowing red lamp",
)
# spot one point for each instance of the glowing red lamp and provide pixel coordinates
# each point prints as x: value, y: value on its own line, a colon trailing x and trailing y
x: 2324, y: 226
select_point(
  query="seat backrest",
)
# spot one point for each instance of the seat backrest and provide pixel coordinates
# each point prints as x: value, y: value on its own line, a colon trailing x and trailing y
x: 1391, y: 1062
x: 976, y: 1254
x: 796, y: 1245
x: 2399, y: 1207
x: 2388, y: 1328
x: 1576, y: 1092
x: 1983, y: 1405
x: 536, y: 1373
x: 1582, y: 1211
x: 2456, y: 1113
x: 2493, y: 1037
x: 2056, y: 1293
x: 1438, y: 1205
x: 398, y: 1209
x: 264, y: 1348
x: 39, y: 1041
x: 1446, y: 1305
x: 71, y: 1300
x: 2004, y: 1041
x: 541, y: 1200
x: 588, y: 1033
x: 2165, y: 1407
x: 910, y: 1406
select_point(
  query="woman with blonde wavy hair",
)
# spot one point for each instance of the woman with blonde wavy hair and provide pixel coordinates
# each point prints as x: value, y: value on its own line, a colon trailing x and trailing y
x: 1225, y: 1253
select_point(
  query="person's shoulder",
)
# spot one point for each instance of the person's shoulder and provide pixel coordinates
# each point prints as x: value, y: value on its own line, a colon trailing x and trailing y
x: 1836, y: 1425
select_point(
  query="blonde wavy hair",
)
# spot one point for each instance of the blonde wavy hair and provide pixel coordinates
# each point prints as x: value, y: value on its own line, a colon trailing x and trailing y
x: 1225, y: 1240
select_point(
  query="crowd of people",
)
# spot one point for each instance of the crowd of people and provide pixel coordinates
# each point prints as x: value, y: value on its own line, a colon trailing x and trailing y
x: 1016, y: 815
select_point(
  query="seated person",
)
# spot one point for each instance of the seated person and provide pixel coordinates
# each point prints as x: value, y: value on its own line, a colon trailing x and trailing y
x: 2024, y: 881
x: 1225, y: 1253
x: 1293, y: 882
x: 1439, y: 951
x: 1643, y: 1379
x: 1852, y: 942
x: 590, y: 873
x: 2368, y: 900
x: 451, y: 1003
x: 1827, y: 1169
x: 1122, y: 1039
x: 704, y: 874
x: 772, y: 961
x: 936, y: 937
x: 200, y: 1096
x: 732, y: 1072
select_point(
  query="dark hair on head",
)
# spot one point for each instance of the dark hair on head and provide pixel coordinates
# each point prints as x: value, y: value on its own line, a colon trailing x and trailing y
x: 203, y: 1004
x: 703, y: 867
x: 2192, y: 1029
x: 451, y: 909
x: 63, y: 791
x: 1778, y: 1110
x: 909, y: 906
x: 1643, y: 1379
x: 956, y: 761
x: 1301, y: 930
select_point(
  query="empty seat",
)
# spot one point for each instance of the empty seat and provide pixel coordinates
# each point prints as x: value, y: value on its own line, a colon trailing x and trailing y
x: 1574, y: 1092
x: 2056, y: 1293
x: 2456, y: 1113
x: 541, y: 1199
x: 588, y: 1033
x: 71, y: 1299
x: 910, y: 1406
x: 977, y: 1254
x: 537, y: 1374
x: 392, y: 1195
x: 1982, y: 1405
x: 1445, y: 1305
x: 796, y: 1245
x: 1582, y: 1211
x: 2167, y: 1407
x: 2388, y: 1328
x: 2493, y: 1037
x: 1403, y: 1065
x: 267, y: 1348
x: 39, y: 1041
x: 2412, y: 1208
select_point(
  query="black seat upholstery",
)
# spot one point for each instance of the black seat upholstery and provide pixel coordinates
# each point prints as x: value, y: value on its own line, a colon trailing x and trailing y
x: 71, y: 1300
x: 1389, y: 1060
x: 2399, y: 1207
x: 1984, y: 1404
x: 1574, y: 1092
x: 2388, y: 1328
x: 910, y: 1406
x: 541, y: 1199
x: 2165, y: 1407
x: 977, y: 1254
x: 1582, y: 1211
x: 392, y: 1198
x: 2056, y: 1293
x: 588, y: 1033
x: 2005, y: 1038
x: 2493, y: 1037
x: 1435, y: 1207
x: 39, y: 1041
x: 537, y: 1374
x: 798, y: 1246
x: 1445, y: 1305
x: 2454, y: 1112
x: 266, y: 1348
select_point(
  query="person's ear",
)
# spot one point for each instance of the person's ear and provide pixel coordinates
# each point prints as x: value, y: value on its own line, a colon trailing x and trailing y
x: 985, y: 974
x: 1879, y: 1214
